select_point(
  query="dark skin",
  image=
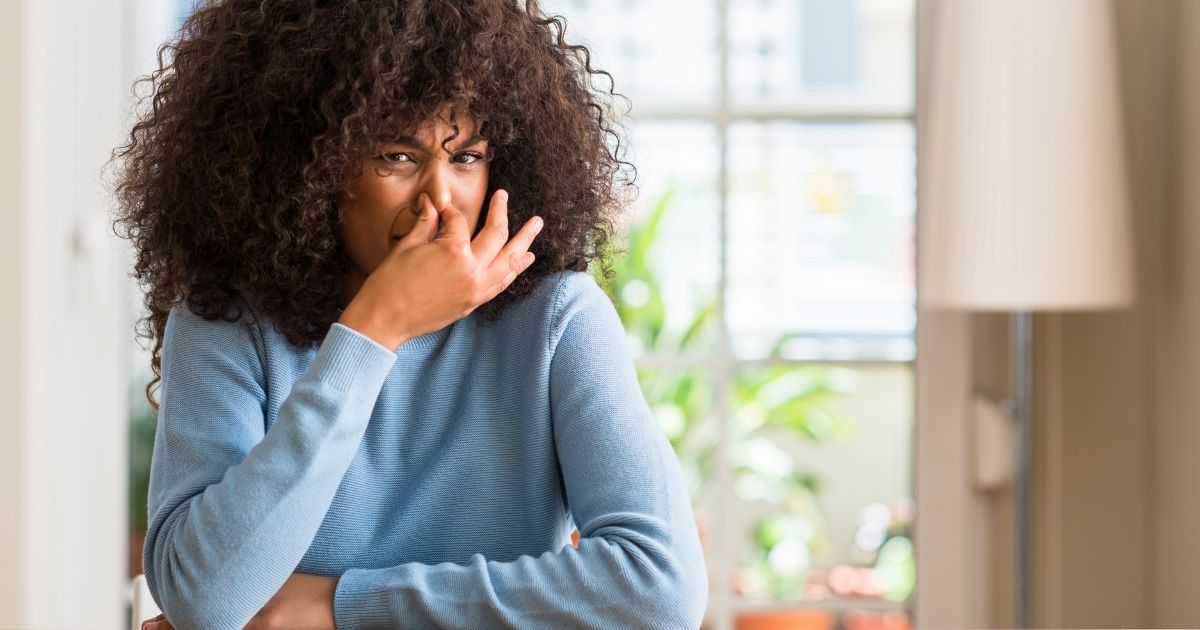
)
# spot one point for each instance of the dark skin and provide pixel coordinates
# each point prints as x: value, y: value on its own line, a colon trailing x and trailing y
x: 415, y: 269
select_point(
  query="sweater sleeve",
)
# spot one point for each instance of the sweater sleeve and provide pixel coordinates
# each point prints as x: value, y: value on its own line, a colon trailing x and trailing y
x: 638, y: 564
x: 233, y: 508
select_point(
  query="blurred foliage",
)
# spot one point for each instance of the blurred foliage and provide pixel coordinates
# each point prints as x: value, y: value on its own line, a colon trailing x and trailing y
x: 141, y: 447
x: 897, y: 568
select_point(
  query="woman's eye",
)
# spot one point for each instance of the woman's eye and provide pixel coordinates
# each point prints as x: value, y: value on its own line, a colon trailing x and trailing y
x: 468, y: 158
x: 396, y: 158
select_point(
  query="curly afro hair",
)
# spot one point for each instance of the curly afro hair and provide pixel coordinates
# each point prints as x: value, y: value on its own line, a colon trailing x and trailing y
x: 228, y: 184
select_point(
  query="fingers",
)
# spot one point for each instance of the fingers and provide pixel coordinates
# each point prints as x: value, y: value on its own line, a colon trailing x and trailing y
x: 512, y: 256
x: 495, y: 232
x: 427, y: 223
x: 516, y: 263
x: 502, y: 258
x: 157, y: 623
x: 454, y: 226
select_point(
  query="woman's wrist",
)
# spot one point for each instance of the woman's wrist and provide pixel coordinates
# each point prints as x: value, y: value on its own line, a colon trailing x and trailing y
x: 367, y: 326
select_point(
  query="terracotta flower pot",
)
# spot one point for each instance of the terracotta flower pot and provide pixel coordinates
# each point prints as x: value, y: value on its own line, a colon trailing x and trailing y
x: 784, y: 620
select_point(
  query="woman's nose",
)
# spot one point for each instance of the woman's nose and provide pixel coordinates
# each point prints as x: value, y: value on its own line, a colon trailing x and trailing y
x: 437, y: 186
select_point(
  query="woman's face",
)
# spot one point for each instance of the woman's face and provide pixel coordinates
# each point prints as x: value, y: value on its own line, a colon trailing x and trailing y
x: 384, y: 207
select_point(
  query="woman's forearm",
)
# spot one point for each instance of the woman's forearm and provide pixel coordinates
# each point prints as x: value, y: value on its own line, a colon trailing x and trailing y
x: 232, y: 512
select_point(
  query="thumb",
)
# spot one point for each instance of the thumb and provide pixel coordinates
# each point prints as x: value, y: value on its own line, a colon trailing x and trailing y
x: 426, y: 225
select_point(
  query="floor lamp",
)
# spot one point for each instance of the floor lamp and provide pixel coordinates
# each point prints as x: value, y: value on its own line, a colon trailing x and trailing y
x: 1023, y: 199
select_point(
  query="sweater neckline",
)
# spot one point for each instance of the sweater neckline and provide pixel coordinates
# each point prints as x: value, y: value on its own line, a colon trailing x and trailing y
x: 427, y: 341
x: 420, y: 342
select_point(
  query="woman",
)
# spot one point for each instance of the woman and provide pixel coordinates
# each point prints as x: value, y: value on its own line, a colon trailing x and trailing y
x: 388, y: 386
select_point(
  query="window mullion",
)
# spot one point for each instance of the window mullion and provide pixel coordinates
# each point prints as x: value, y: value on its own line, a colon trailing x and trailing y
x: 725, y: 542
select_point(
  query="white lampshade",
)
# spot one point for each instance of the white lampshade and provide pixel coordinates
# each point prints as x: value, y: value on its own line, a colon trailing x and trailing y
x: 1024, y: 204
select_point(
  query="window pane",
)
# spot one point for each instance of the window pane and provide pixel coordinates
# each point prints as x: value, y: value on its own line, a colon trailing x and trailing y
x: 667, y: 275
x: 822, y: 54
x: 662, y: 54
x: 822, y: 478
x: 821, y: 260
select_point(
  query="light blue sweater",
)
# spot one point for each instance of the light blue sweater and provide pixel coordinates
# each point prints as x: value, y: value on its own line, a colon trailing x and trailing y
x: 439, y: 481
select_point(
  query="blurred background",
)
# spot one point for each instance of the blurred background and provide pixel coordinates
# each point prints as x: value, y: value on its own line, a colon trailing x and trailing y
x: 846, y: 471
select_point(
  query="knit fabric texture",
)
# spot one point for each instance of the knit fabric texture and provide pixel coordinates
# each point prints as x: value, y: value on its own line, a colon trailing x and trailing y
x: 439, y: 482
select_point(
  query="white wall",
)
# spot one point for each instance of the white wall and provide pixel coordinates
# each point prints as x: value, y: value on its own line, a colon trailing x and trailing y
x: 62, y: 469
x: 12, y: 320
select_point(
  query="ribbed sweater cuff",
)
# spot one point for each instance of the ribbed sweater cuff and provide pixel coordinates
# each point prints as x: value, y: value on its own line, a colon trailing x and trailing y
x: 359, y: 602
x: 351, y: 362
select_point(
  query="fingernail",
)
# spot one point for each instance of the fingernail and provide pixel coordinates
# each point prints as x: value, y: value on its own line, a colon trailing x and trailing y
x: 503, y: 195
x: 537, y: 223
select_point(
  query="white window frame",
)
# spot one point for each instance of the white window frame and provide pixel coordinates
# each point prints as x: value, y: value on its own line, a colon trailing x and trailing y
x: 723, y: 604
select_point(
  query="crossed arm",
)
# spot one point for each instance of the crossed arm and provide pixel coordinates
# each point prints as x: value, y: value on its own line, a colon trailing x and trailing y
x: 305, y: 602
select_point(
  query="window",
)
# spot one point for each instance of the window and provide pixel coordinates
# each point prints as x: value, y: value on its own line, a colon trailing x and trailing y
x: 767, y: 286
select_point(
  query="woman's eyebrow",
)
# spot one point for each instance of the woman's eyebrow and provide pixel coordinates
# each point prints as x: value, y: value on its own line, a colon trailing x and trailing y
x: 413, y: 142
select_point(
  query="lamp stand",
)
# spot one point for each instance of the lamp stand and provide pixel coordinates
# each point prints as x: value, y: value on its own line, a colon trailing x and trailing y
x: 1022, y: 339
